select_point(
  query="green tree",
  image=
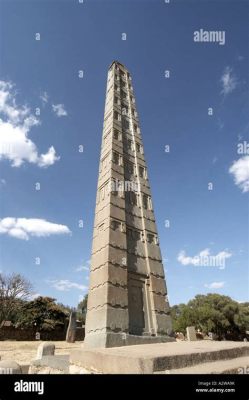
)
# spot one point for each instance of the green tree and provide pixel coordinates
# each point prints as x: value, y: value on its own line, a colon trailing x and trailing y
x: 82, y: 308
x: 14, y: 290
x: 213, y: 313
x: 42, y: 313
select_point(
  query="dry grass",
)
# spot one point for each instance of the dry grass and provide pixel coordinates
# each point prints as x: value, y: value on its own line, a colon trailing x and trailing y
x: 24, y: 352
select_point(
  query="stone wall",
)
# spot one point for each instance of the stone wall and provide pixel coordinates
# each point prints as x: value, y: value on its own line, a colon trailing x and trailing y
x: 12, y: 333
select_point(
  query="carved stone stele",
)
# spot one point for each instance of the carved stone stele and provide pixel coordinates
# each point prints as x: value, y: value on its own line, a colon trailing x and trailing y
x: 127, y: 302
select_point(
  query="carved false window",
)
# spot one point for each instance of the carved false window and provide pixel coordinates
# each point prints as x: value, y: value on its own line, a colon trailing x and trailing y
x: 141, y: 171
x: 116, y: 115
x: 133, y: 235
x: 116, y: 134
x: 123, y: 94
x: 145, y: 201
x: 128, y: 144
x: 133, y: 198
x: 150, y: 238
x: 117, y: 225
x: 129, y: 168
x: 116, y: 158
x: 124, y: 110
x: 126, y: 124
x: 136, y: 236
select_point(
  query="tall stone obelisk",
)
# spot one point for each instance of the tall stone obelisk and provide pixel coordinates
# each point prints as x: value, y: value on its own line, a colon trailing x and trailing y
x: 127, y: 301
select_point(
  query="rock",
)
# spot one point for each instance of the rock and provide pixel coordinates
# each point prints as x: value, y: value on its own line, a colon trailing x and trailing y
x: 45, y: 349
x: 71, y: 330
x: 191, y: 335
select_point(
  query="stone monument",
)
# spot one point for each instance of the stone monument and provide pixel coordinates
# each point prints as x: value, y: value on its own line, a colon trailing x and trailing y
x: 71, y: 330
x: 191, y: 334
x: 127, y: 301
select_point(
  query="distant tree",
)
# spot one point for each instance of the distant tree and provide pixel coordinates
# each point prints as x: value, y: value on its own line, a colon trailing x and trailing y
x: 213, y: 313
x: 82, y: 308
x: 42, y: 313
x: 65, y: 308
x: 242, y: 317
x: 14, y: 289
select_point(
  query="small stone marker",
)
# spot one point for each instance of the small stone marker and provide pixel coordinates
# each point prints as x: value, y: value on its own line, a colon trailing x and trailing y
x: 71, y: 330
x: 45, y: 349
x: 37, y: 336
x: 191, y: 335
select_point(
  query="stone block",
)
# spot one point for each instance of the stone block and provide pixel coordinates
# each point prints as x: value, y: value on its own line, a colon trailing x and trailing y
x: 159, y: 303
x: 156, y: 268
x: 108, y: 273
x: 157, y: 285
x: 108, y: 294
x: 191, y: 334
x: 45, y: 349
x: 164, y: 324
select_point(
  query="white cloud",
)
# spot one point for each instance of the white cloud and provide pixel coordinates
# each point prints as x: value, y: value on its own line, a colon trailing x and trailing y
x: 82, y: 268
x: 64, y: 285
x: 204, y: 258
x: 44, y: 98
x: 15, y: 125
x: 240, y: 171
x: 2, y: 182
x: 215, y: 285
x: 59, y: 110
x: 48, y: 158
x: 34, y: 296
x: 229, y: 81
x: 23, y: 228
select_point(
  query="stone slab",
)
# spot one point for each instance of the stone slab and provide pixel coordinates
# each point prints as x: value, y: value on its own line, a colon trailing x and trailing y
x: 52, y: 363
x: 238, y: 365
x: 149, y: 358
x: 111, y: 339
x: 191, y: 334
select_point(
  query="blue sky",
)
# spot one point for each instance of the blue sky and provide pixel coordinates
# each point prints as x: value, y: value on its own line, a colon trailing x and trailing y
x: 173, y: 111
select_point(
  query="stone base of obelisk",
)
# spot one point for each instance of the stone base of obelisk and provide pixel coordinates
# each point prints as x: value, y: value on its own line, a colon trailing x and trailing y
x: 111, y: 339
x: 198, y: 357
x: 178, y: 357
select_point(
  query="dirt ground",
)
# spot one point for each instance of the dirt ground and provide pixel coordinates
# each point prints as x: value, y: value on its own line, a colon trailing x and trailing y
x: 24, y: 352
